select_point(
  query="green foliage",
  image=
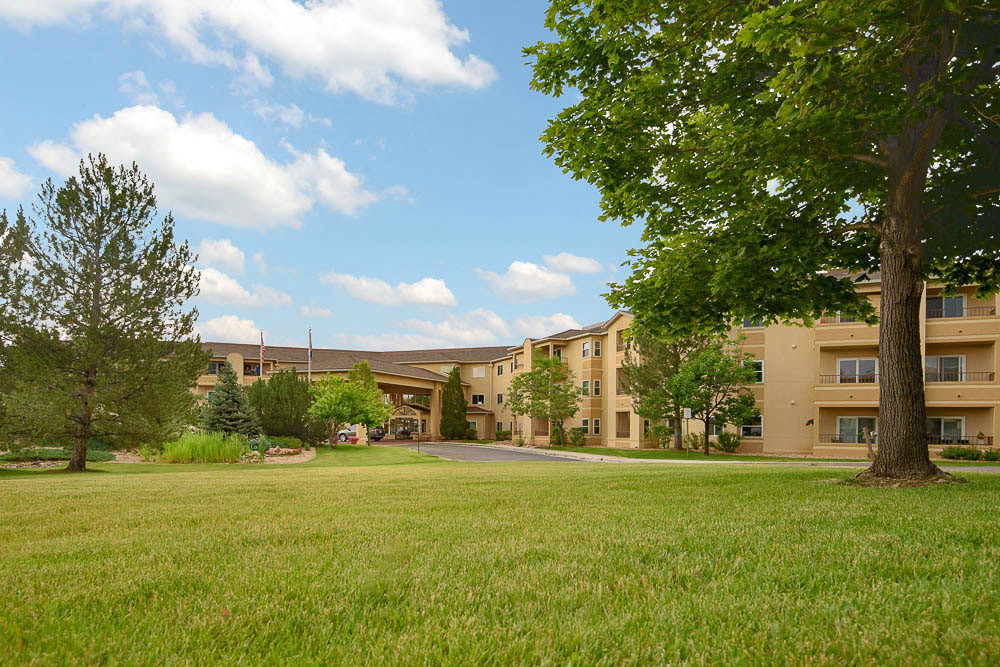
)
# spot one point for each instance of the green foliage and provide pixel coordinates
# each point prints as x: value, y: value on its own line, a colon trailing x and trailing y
x: 453, y: 421
x: 692, y: 441
x: 503, y: 435
x: 991, y: 455
x: 206, y: 447
x: 149, y: 453
x: 356, y: 399
x: 548, y: 391
x: 227, y: 409
x: 727, y: 442
x: 287, y: 441
x: 96, y: 444
x: 648, y: 373
x: 713, y: 383
x: 94, y: 315
x: 577, y: 436
x: 52, y: 454
x: 961, y: 453
x: 282, y: 407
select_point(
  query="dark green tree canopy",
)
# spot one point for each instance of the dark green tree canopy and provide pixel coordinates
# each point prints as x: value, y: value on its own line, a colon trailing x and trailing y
x: 763, y: 137
x: 227, y: 409
x: 96, y: 336
x: 282, y: 407
x: 453, y: 419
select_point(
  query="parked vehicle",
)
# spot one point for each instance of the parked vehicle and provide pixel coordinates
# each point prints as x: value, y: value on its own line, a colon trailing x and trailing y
x: 375, y: 433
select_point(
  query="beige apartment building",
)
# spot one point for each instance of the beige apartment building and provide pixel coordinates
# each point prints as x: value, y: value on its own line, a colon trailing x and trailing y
x: 817, y: 387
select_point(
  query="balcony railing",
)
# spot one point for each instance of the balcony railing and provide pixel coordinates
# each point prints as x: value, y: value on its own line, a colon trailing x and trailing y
x: 971, y: 311
x: 963, y: 376
x: 838, y: 319
x: 846, y: 438
x: 959, y: 440
x: 846, y: 378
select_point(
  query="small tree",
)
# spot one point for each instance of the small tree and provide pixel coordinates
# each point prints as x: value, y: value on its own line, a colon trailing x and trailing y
x: 356, y: 399
x: 713, y: 382
x: 227, y: 409
x: 548, y: 391
x: 647, y: 375
x: 95, y: 333
x: 453, y: 408
x: 282, y: 407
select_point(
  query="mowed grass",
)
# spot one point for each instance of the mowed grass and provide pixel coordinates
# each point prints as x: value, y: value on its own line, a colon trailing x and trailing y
x: 375, y: 555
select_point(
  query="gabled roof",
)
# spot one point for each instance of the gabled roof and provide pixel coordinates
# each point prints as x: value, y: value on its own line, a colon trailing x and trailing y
x: 446, y: 355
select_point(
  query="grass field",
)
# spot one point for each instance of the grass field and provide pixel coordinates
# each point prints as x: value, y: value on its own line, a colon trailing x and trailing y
x: 373, y: 555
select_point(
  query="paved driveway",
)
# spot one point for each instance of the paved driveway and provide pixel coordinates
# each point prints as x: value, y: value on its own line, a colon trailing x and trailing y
x: 459, y: 452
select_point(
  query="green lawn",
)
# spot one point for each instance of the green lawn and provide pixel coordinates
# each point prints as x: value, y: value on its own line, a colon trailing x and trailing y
x: 374, y: 555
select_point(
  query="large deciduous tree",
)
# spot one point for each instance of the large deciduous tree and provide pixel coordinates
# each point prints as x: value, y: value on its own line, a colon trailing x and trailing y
x: 95, y: 330
x: 548, y: 391
x: 356, y: 399
x: 765, y: 144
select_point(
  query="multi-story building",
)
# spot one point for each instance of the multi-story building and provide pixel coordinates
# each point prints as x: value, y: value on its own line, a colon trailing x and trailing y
x: 817, y: 387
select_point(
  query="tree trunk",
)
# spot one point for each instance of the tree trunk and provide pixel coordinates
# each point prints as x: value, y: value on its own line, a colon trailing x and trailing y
x: 678, y: 426
x: 78, y: 460
x: 708, y: 450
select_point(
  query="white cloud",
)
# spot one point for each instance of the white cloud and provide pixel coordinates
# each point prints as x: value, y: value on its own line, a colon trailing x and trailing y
x: 222, y: 253
x: 13, y: 184
x: 476, y: 327
x: 527, y: 282
x: 221, y: 289
x: 287, y: 114
x: 383, y: 50
x: 136, y: 86
x: 204, y: 170
x: 425, y: 292
x: 228, y: 329
x: 314, y: 311
x: 258, y: 259
x: 538, y: 326
x: 569, y: 263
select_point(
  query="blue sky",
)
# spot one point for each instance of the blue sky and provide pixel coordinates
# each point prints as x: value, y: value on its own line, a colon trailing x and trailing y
x: 370, y: 168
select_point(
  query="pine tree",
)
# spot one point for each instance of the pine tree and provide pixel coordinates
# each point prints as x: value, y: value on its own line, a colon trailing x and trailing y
x: 281, y: 405
x: 227, y: 409
x: 453, y: 421
x: 96, y: 339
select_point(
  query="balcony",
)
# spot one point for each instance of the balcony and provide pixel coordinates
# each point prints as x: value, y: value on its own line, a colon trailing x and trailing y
x: 846, y: 378
x: 960, y: 376
x: 846, y: 438
x: 859, y: 439
x: 956, y: 440
x: 971, y: 311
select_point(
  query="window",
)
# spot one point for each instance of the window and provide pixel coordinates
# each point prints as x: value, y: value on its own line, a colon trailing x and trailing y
x: 585, y: 425
x: 586, y: 387
x: 586, y: 349
x: 479, y: 371
x: 622, y: 344
x: 716, y: 428
x: 946, y: 306
x: 755, y: 429
x: 852, y: 429
x: 499, y: 399
x: 597, y: 348
x: 758, y: 365
x: 471, y: 425
x: 213, y: 367
x: 209, y: 394
x: 749, y: 323
x: 623, y: 424
x: 597, y: 387
x: 557, y: 352
x: 479, y: 399
x: 620, y: 377
x: 251, y: 369
x: 946, y: 430
x: 512, y: 367
x: 423, y: 426
x: 845, y: 318
x: 945, y: 369
x: 500, y: 369
x: 645, y: 428
x: 597, y: 427
x: 863, y: 370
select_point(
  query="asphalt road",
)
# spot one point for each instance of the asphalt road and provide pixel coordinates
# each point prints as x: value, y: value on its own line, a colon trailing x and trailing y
x: 457, y: 452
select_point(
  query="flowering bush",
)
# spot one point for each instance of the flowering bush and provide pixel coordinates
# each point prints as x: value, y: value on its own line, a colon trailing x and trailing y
x: 283, y: 451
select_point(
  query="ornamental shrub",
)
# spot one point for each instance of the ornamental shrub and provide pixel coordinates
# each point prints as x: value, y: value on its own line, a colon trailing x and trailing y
x: 727, y: 442
x: 577, y: 436
x: 991, y: 455
x: 206, y: 447
x: 503, y: 435
x: 961, y: 453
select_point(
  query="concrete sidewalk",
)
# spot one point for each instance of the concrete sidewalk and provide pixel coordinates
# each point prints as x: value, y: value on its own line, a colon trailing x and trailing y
x: 722, y: 460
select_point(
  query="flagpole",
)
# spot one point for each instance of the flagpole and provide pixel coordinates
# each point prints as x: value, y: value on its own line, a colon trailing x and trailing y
x: 309, y: 372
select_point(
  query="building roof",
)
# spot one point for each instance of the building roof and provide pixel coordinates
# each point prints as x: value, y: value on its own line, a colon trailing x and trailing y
x: 477, y: 410
x: 445, y: 355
